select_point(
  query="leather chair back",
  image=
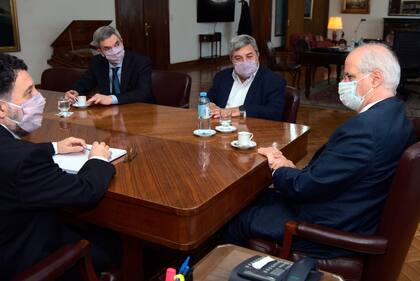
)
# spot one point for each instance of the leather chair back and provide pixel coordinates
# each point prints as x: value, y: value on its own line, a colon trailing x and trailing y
x: 60, y: 79
x: 171, y: 88
x: 291, y: 105
x: 399, y: 220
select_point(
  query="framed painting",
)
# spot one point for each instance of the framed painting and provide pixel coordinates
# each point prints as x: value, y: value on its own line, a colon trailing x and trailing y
x: 307, y: 9
x: 9, y: 35
x: 355, y: 6
x: 279, y: 25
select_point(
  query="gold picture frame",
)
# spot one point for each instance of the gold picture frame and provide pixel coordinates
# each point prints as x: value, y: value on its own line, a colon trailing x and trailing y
x: 9, y: 35
x: 355, y: 6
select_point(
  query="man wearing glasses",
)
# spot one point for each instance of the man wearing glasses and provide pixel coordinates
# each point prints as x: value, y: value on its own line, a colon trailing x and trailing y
x: 120, y: 76
x: 345, y: 184
x: 247, y: 88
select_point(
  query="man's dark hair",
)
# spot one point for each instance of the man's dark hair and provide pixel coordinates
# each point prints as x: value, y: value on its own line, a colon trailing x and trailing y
x: 9, y: 66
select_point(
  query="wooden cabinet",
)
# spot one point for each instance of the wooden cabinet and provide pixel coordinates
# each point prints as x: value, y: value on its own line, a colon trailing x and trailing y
x: 399, y: 24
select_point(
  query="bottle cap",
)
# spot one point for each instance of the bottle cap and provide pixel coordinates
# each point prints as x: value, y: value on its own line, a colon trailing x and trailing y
x: 203, y: 94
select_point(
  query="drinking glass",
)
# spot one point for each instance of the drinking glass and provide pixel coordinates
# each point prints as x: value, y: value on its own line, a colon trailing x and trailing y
x: 63, y: 107
x: 225, y: 118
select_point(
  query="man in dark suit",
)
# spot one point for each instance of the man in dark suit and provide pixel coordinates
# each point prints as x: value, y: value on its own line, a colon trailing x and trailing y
x: 33, y: 187
x: 120, y: 76
x: 345, y: 184
x: 247, y: 88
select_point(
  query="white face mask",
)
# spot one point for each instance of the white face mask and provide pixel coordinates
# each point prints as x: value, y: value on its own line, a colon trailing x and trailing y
x: 115, y: 55
x: 348, y: 94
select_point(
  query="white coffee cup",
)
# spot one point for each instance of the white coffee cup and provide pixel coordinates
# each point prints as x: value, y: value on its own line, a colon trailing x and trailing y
x: 244, y: 138
x: 81, y: 101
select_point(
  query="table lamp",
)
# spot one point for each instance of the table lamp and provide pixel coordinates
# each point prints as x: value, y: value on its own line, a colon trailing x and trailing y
x: 335, y: 23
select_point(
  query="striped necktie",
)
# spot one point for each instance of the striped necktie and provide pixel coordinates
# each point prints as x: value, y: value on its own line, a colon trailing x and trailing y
x: 116, y: 88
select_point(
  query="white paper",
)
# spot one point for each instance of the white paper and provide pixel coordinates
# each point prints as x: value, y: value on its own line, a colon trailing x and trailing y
x: 73, y: 162
x: 260, y: 263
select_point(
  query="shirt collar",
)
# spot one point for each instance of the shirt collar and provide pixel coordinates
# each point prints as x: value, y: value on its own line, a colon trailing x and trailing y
x: 13, y: 134
x: 112, y: 66
x: 248, y: 80
x: 369, y: 106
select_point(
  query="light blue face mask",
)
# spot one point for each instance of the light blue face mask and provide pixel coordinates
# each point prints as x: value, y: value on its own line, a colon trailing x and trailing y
x: 349, y: 96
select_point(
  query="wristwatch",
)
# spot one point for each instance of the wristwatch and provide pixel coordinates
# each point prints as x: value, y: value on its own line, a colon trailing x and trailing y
x: 242, y: 111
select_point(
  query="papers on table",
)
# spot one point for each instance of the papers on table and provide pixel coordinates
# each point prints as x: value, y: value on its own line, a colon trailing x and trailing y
x: 73, y: 162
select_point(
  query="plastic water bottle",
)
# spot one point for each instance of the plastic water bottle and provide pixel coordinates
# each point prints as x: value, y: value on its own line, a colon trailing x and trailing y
x: 204, y: 112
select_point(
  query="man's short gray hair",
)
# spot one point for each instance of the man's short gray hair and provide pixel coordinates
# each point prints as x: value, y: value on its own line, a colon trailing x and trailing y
x: 380, y: 57
x: 103, y: 33
x: 241, y: 41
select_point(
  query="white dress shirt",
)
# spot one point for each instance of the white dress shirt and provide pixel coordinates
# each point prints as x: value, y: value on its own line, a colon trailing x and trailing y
x: 239, y: 90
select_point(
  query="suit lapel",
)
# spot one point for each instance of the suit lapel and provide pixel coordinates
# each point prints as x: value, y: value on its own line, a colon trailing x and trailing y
x: 104, y: 76
x: 5, y: 133
x: 228, y: 88
x: 125, y: 72
x: 253, y: 89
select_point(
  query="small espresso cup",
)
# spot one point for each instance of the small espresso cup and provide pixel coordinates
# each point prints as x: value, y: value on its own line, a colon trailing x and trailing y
x: 244, y: 138
x: 81, y: 101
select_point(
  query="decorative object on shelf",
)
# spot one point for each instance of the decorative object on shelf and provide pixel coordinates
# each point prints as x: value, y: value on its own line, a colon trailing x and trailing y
x: 9, y: 32
x: 355, y: 7
x: 308, y: 6
x: 404, y: 8
x: 334, y: 24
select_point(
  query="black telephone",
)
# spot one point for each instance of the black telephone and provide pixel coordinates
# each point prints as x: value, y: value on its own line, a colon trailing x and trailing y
x: 302, y: 270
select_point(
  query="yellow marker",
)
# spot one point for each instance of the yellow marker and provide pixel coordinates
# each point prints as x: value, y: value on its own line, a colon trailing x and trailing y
x: 179, y: 277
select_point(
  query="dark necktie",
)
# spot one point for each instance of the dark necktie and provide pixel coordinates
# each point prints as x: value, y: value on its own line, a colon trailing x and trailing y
x: 116, y: 89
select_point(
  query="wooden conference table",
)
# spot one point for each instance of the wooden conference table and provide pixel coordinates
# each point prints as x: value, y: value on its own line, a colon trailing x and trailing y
x: 179, y: 189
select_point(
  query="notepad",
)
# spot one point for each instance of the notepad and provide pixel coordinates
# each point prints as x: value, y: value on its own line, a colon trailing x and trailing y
x: 73, y: 162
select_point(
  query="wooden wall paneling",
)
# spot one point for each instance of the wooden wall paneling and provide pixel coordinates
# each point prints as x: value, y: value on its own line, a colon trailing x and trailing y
x: 261, y: 11
x: 318, y: 24
x: 295, y: 23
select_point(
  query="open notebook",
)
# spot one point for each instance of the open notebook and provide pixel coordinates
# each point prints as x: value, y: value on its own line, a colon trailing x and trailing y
x: 73, y: 162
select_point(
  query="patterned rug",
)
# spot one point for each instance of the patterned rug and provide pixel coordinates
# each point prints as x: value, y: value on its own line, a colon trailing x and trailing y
x: 326, y: 96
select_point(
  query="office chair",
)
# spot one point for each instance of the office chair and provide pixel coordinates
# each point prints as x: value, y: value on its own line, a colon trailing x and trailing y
x: 382, y: 254
x: 291, y: 105
x: 61, y: 261
x: 276, y: 64
x: 171, y: 88
x: 60, y: 79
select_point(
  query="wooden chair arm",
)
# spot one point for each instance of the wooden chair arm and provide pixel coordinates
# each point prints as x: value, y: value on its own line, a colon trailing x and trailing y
x: 366, y: 244
x: 61, y: 261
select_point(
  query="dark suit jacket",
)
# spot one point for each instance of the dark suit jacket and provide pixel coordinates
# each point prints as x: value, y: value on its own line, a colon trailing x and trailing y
x: 136, y: 81
x: 32, y: 188
x: 265, y: 97
x: 345, y: 184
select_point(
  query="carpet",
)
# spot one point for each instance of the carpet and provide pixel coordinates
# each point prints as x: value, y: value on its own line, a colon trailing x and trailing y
x: 326, y: 96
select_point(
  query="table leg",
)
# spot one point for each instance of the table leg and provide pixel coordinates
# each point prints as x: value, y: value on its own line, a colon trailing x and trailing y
x: 132, y: 262
x: 338, y: 72
x: 308, y: 72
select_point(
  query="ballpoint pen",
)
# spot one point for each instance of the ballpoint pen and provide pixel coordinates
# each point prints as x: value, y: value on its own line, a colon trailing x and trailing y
x: 184, y: 265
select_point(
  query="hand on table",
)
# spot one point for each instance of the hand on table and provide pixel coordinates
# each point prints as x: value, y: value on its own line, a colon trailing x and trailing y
x: 275, y: 158
x: 214, y: 110
x: 99, y: 99
x: 100, y: 149
x: 70, y: 145
x: 71, y: 96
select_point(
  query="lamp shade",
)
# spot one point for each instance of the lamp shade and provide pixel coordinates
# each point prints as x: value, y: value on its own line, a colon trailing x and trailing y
x: 335, y: 23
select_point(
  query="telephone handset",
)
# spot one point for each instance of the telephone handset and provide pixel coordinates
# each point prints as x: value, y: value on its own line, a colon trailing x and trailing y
x: 275, y: 270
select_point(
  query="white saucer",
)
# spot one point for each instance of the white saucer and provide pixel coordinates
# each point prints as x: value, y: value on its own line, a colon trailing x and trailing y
x: 79, y: 106
x: 67, y: 114
x: 204, y: 133
x: 235, y: 144
x: 225, y: 129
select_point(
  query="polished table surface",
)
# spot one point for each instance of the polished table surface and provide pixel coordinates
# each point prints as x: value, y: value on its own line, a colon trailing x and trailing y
x: 312, y: 59
x: 218, y: 264
x: 179, y: 189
